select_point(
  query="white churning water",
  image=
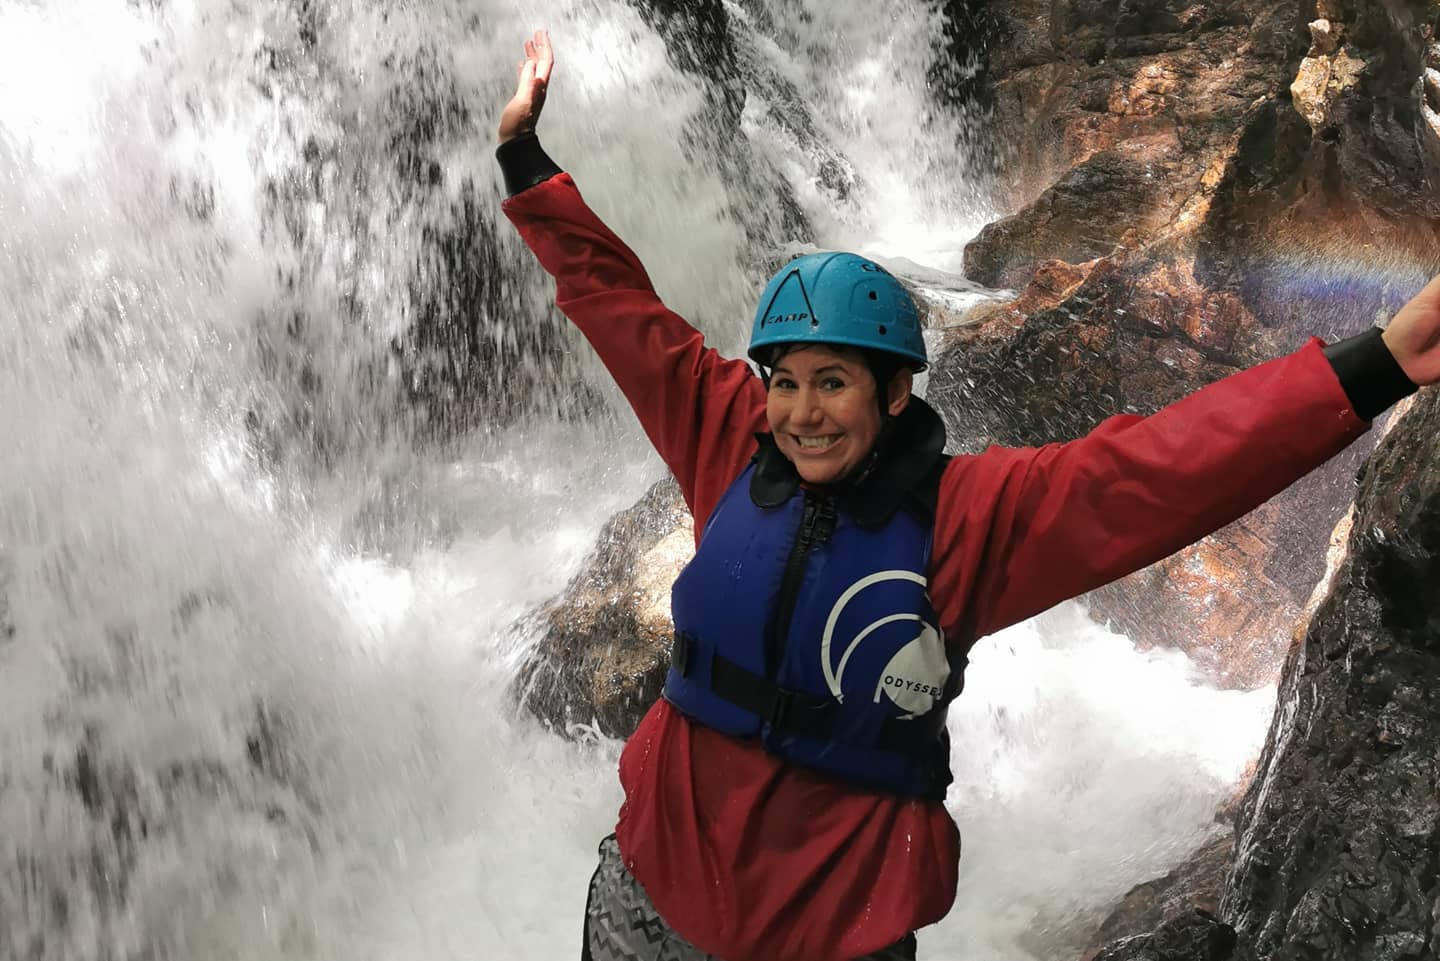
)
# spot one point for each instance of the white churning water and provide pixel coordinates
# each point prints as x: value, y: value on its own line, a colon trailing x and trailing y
x: 256, y: 623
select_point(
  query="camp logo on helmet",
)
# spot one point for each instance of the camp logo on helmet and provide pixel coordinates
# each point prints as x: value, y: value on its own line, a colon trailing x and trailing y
x: 784, y: 318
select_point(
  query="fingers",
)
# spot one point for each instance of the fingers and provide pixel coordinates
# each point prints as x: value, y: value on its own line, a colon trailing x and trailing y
x: 539, y: 61
x: 531, y: 77
x: 544, y: 56
x: 525, y: 79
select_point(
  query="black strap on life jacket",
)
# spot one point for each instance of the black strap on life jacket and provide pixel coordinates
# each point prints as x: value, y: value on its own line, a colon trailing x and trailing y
x: 809, y: 715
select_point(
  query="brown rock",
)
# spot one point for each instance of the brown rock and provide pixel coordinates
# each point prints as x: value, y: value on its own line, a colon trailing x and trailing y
x: 1324, y: 37
x: 1309, y: 90
x: 1051, y: 284
x: 1118, y: 340
x: 1214, y: 602
x: 1198, y: 883
x: 1114, y: 199
x: 1110, y: 73
x: 1375, y: 111
x: 1193, y: 936
x: 604, y: 643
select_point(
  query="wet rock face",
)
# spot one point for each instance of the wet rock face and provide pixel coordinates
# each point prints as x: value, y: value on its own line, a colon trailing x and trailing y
x: 1336, y: 189
x: 1194, y: 936
x: 1083, y: 343
x: 722, y: 51
x: 1368, y: 90
x: 1195, y: 886
x: 1280, y: 126
x: 604, y: 642
x: 1113, y: 114
x: 970, y: 31
x: 1141, y: 188
x: 1230, y: 602
x: 1340, y: 831
x: 466, y: 361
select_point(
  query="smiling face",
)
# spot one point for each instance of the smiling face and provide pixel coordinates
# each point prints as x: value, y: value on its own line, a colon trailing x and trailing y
x: 823, y: 412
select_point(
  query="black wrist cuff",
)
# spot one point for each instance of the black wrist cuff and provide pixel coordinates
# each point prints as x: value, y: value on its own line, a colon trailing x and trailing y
x: 524, y: 163
x: 1372, y: 378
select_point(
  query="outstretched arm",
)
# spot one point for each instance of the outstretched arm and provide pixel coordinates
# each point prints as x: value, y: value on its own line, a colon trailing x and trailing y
x: 700, y: 410
x: 1022, y: 530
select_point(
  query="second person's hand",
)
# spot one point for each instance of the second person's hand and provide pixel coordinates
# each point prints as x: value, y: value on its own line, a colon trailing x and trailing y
x: 523, y: 111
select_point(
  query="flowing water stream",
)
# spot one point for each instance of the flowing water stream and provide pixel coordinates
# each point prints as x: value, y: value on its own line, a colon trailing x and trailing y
x: 290, y: 438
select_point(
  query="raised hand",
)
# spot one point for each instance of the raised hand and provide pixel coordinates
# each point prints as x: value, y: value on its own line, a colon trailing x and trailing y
x: 1414, y: 335
x: 523, y: 111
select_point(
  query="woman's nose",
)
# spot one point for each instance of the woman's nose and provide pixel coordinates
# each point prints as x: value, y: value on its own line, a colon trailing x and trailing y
x: 807, y: 407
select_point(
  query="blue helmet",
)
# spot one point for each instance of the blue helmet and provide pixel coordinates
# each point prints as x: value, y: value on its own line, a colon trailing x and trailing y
x: 838, y: 298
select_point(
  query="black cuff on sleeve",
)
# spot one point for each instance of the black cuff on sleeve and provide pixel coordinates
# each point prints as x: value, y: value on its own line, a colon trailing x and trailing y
x: 524, y: 163
x: 1372, y: 378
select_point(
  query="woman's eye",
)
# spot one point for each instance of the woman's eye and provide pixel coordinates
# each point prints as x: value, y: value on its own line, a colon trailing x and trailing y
x: 783, y: 383
x: 832, y: 383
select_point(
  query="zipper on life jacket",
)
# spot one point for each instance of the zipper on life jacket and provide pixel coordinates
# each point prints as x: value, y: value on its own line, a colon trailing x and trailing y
x: 817, y: 523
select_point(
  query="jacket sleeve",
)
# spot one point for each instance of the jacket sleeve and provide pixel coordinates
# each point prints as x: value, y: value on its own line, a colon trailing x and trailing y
x: 700, y: 410
x: 1020, y: 530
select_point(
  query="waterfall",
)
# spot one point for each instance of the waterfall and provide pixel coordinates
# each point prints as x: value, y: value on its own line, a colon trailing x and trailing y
x: 290, y: 436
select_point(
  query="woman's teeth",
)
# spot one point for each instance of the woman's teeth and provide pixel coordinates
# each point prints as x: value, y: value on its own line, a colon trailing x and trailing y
x: 817, y: 442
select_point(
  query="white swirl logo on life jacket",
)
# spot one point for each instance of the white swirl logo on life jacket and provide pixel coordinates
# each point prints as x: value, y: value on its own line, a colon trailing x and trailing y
x: 915, y: 677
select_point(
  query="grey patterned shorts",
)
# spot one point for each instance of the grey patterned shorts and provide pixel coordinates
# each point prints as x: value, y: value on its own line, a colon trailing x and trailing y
x: 621, y: 923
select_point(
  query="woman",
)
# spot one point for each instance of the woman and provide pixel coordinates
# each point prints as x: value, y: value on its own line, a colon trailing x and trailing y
x: 783, y: 800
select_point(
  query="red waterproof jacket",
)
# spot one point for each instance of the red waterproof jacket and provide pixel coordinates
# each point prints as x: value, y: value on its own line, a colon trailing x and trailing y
x: 751, y: 859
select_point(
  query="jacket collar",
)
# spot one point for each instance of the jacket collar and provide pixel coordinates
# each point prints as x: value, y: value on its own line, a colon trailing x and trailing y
x: 909, y: 448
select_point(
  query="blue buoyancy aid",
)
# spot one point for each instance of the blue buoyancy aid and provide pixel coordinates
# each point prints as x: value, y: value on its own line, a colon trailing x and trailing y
x: 799, y: 624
